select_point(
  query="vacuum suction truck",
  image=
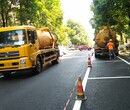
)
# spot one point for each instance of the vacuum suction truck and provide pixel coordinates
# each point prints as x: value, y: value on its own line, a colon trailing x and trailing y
x: 101, y: 39
x: 27, y: 48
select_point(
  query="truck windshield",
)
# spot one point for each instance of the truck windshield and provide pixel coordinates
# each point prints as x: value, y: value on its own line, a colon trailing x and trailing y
x: 12, y: 38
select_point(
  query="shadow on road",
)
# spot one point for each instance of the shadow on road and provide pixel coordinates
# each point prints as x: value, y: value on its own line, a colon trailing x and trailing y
x: 26, y: 74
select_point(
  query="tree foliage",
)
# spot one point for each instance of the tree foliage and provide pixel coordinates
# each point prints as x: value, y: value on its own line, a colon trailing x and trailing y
x: 38, y: 12
x: 76, y: 33
x: 6, y: 11
x: 112, y: 13
x: 63, y: 36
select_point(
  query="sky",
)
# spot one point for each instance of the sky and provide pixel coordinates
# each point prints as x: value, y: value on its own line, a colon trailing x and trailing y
x: 79, y: 11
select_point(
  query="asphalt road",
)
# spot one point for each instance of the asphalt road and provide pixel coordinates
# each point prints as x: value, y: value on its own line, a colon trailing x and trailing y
x: 106, y: 87
x: 49, y: 90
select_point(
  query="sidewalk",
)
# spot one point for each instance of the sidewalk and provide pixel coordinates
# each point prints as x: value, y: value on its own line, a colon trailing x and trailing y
x: 125, y: 53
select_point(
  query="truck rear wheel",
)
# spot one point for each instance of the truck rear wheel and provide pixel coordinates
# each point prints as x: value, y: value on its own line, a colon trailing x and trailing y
x: 38, y: 67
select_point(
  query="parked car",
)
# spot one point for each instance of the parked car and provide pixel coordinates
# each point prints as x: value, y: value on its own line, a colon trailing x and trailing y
x: 84, y: 47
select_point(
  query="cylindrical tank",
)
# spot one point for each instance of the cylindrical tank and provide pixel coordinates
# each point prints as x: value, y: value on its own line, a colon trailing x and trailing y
x: 102, y: 38
x: 46, y: 38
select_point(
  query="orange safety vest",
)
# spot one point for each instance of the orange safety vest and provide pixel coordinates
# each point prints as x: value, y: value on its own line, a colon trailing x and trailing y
x: 110, y: 46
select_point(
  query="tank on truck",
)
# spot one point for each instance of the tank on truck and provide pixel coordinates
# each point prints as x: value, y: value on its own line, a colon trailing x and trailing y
x: 48, y: 30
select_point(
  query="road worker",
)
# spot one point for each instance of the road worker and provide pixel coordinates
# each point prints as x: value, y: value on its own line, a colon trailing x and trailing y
x: 111, y: 47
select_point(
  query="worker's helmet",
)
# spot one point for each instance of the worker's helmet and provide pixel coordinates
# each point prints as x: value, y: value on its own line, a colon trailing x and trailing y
x: 110, y: 40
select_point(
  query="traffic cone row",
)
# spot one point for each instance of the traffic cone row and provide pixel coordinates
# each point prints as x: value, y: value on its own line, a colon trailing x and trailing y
x: 89, y: 61
x: 80, y: 92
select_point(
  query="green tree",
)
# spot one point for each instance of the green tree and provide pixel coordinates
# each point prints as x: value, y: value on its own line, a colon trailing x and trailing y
x: 7, y: 7
x: 27, y: 11
x: 63, y: 38
x: 114, y: 13
x: 76, y: 33
x: 40, y: 13
x: 49, y: 14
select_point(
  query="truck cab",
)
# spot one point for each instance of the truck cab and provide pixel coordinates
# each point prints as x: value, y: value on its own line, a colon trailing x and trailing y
x: 19, y: 47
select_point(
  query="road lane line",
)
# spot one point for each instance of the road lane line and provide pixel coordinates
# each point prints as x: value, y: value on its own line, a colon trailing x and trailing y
x: 85, y: 78
x: 107, y: 61
x: 72, y: 57
x: 74, y: 88
x: 77, y: 104
x: 116, y: 77
x: 1, y: 76
x: 67, y: 103
x: 124, y: 60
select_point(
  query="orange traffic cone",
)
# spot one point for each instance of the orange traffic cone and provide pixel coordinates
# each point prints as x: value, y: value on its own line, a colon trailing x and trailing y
x: 89, y: 61
x: 80, y: 92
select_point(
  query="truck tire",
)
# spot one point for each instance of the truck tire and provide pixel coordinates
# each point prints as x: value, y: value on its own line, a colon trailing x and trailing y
x: 38, y: 67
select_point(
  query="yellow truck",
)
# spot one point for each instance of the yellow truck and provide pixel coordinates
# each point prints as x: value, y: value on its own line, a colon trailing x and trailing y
x: 27, y: 48
x: 101, y: 39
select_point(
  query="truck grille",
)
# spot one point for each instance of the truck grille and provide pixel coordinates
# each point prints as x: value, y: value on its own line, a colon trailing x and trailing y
x: 9, y: 54
x: 9, y: 65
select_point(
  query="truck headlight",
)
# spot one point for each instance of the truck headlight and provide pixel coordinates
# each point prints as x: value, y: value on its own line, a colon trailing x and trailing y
x: 22, y: 67
x: 22, y: 61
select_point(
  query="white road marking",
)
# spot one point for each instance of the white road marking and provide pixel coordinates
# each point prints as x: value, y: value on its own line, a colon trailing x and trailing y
x: 124, y: 60
x: 85, y: 78
x: 116, y: 77
x: 1, y: 76
x: 108, y: 61
x: 77, y: 104
x: 67, y: 57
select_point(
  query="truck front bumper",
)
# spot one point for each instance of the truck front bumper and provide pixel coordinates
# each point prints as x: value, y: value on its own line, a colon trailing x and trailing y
x: 11, y: 65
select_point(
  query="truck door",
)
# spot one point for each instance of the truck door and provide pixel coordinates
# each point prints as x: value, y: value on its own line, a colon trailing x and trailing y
x: 32, y: 42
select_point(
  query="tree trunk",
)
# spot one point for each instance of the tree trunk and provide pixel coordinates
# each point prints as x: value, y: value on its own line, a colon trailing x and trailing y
x: 122, y: 41
x: 6, y: 19
x: 2, y: 16
x: 121, y: 37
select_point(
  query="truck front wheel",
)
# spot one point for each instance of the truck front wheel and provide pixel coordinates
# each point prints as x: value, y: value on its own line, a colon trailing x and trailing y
x: 38, y: 67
